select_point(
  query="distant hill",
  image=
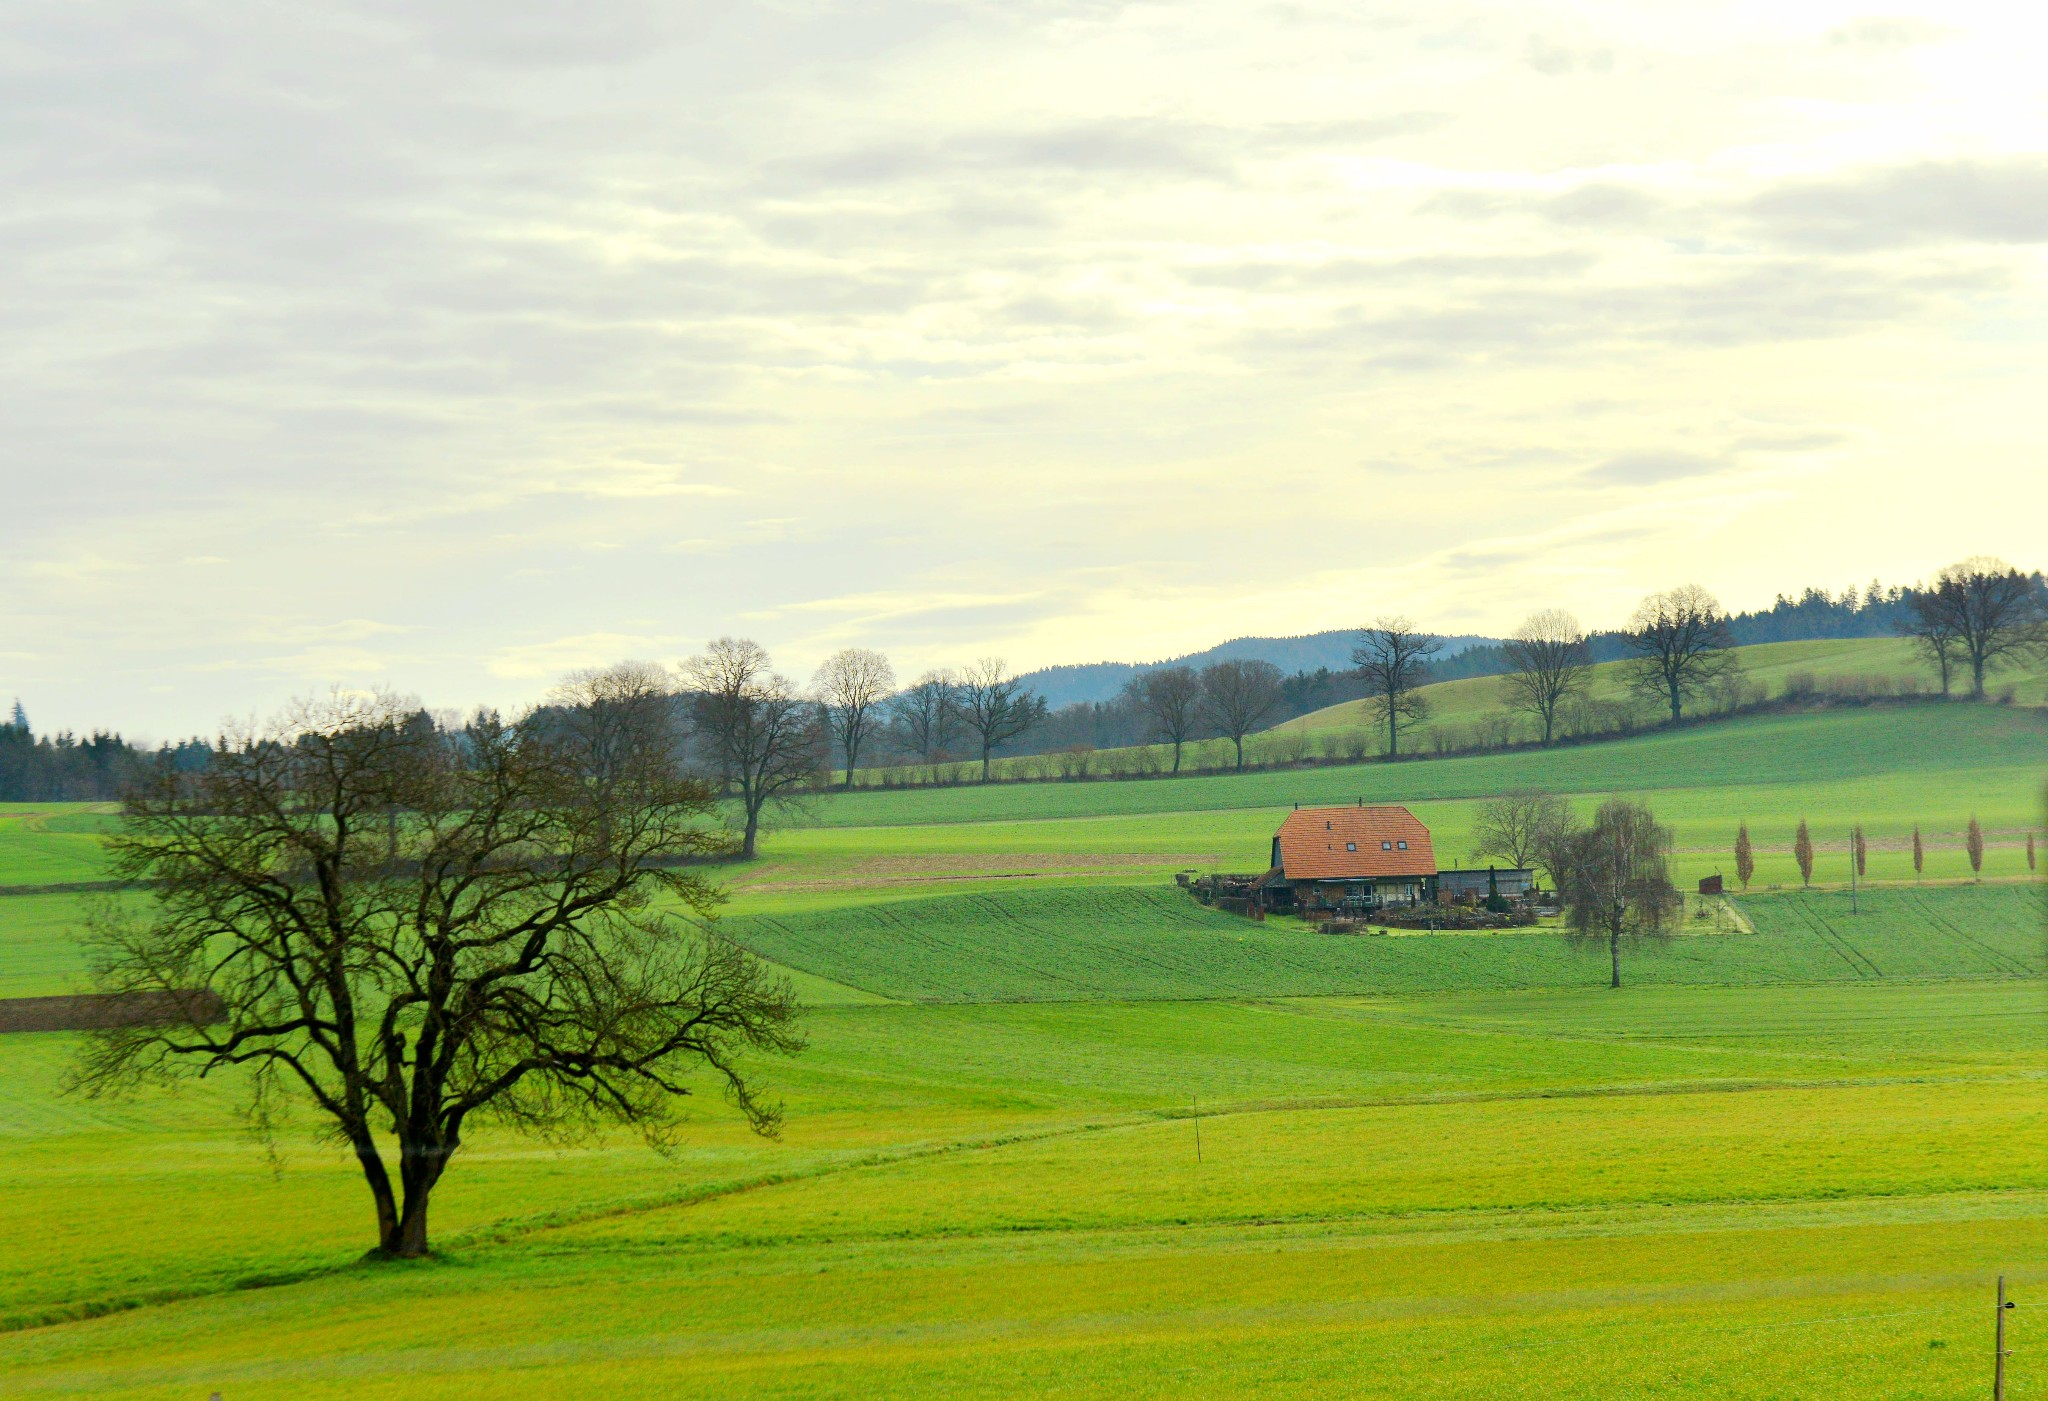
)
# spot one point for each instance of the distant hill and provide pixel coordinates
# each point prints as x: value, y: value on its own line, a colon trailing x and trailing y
x: 1100, y: 681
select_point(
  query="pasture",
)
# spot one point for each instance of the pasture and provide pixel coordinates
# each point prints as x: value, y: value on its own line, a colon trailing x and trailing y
x: 1060, y: 1131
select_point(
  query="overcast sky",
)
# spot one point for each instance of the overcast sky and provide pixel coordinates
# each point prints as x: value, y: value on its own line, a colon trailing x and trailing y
x: 451, y: 346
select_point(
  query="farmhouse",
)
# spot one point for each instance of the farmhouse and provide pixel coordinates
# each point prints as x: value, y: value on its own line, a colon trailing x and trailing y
x: 1356, y: 858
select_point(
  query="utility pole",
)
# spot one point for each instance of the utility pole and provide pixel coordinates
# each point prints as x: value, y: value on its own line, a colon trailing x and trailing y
x: 1998, y: 1347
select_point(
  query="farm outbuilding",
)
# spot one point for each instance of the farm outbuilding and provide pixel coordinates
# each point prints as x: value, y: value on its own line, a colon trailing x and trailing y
x: 1509, y: 882
x: 1356, y: 858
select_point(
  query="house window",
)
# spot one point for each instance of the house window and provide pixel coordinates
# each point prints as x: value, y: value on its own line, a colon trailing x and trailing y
x: 1404, y: 846
x: 1386, y: 846
x: 1351, y: 846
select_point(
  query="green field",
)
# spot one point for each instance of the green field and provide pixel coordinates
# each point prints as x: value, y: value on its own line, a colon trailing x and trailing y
x: 1785, y: 1160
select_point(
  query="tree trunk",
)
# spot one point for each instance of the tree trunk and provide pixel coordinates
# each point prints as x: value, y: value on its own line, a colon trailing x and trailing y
x: 1677, y: 702
x: 1546, y: 727
x: 749, y: 839
x: 1393, y: 727
x: 1176, y: 756
x: 1614, y: 957
x: 852, y: 753
x: 422, y: 1171
x: 1976, y: 677
x: 380, y: 1192
x: 984, y: 763
x: 1239, y: 741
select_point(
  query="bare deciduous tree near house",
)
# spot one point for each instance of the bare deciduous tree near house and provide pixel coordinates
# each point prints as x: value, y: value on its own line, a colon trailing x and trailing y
x: 1616, y: 881
x: 1238, y: 696
x: 1392, y: 658
x: 1548, y: 661
x: 1984, y: 612
x: 1170, y: 700
x: 413, y: 931
x: 1680, y: 641
x: 753, y: 730
x: 996, y: 707
x: 852, y: 684
x: 1521, y: 829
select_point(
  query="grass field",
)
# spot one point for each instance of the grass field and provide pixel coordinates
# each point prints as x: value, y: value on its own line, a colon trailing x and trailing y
x: 1784, y: 1162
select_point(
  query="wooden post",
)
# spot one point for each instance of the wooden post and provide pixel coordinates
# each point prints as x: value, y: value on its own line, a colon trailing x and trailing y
x: 1998, y: 1347
x: 1198, y: 1158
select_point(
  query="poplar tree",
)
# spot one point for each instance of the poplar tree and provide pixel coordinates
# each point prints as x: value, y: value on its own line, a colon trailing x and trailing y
x: 1745, y: 855
x: 1973, y: 842
x: 1862, y: 855
x: 2030, y: 853
x: 1802, y: 850
x: 1919, y: 852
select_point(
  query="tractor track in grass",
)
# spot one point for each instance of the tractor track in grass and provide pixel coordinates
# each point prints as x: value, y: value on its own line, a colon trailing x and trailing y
x: 1936, y: 920
x: 58, y: 1314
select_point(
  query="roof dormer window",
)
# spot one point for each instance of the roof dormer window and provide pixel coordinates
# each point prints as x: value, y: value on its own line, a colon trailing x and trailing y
x: 1386, y: 846
x: 1404, y: 846
x: 1351, y: 846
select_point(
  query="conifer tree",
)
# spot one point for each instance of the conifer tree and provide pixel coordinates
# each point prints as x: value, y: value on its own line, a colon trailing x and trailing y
x: 1745, y: 855
x: 1862, y: 856
x: 1973, y: 842
x: 1802, y: 851
x: 1919, y: 852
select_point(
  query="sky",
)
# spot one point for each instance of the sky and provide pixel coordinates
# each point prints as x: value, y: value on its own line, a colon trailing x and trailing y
x: 450, y: 347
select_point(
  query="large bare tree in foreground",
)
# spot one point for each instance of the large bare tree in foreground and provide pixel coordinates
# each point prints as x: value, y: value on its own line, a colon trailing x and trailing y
x: 412, y: 930
x: 1392, y: 658
x: 851, y: 685
x: 1680, y: 640
x: 753, y: 730
x: 1547, y: 662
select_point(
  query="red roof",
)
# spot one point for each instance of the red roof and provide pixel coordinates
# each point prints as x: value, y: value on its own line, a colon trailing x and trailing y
x: 1346, y: 843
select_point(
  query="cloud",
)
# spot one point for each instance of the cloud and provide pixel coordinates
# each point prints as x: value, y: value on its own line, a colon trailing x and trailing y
x: 1888, y: 32
x: 1901, y: 206
x: 1650, y: 468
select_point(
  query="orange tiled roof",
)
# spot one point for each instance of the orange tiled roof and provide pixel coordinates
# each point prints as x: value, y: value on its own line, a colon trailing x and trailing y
x: 1343, y: 843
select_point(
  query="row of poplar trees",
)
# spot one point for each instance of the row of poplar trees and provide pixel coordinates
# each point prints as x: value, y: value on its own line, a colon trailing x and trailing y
x: 1802, y: 851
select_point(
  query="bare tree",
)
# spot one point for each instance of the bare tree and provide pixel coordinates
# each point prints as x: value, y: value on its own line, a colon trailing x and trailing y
x: 753, y: 730
x: 1934, y: 636
x: 1238, y: 697
x: 996, y: 707
x: 1392, y: 658
x: 851, y: 685
x: 926, y: 714
x: 1520, y: 829
x: 1548, y: 662
x: 1984, y: 611
x: 1169, y: 698
x: 1680, y: 641
x: 493, y: 955
x: 1616, y: 882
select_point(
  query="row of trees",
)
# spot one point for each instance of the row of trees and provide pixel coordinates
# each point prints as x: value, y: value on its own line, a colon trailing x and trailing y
x: 1859, y: 851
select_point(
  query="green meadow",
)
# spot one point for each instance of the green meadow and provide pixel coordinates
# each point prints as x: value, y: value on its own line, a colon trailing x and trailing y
x: 1060, y: 1131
